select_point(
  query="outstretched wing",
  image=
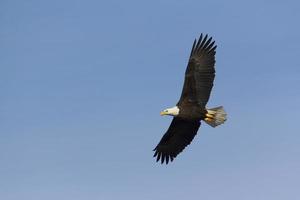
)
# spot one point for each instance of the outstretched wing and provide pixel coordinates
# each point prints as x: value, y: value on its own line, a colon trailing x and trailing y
x: 179, y: 135
x: 200, y: 73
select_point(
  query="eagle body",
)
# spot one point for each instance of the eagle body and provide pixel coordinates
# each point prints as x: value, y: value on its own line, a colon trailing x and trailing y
x: 191, y: 112
x: 191, y: 107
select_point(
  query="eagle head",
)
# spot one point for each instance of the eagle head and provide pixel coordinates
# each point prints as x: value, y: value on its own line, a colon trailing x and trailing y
x: 174, y: 111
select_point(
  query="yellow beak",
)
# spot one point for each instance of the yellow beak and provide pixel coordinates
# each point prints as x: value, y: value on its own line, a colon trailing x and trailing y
x: 162, y: 113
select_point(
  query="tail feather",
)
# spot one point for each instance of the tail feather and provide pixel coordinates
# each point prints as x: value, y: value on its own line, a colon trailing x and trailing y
x: 215, y: 116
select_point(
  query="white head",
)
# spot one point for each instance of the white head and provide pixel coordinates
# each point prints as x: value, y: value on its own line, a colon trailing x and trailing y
x: 174, y: 111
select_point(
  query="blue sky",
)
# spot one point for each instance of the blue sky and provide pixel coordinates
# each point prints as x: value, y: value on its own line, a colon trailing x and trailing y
x: 82, y: 84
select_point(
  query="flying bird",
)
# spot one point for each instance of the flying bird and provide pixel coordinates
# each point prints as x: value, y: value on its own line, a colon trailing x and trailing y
x: 191, y: 107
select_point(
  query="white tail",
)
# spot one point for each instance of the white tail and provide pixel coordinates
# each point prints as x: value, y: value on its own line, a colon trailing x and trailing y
x: 215, y: 116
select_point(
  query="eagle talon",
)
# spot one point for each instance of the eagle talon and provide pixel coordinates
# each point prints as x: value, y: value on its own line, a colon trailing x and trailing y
x: 209, y: 115
x: 208, y: 119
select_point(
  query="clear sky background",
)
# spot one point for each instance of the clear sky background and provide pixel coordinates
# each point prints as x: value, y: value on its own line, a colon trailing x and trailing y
x: 82, y: 84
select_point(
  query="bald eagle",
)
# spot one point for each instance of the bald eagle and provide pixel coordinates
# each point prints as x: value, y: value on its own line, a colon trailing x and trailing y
x: 191, y: 108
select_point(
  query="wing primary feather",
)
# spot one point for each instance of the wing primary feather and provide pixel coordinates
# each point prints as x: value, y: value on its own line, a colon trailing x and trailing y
x: 158, y: 156
x: 193, y: 47
x: 198, y: 43
x: 167, y: 159
x: 155, y: 154
x: 163, y: 158
x: 210, y: 46
x: 213, y: 49
x: 207, y: 43
x: 203, y: 42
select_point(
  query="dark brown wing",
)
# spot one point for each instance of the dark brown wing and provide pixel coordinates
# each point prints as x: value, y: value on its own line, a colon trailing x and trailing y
x: 200, y: 73
x: 180, y: 134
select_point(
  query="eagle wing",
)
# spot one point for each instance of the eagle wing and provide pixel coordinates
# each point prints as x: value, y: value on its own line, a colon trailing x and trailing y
x: 200, y: 73
x: 179, y: 135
